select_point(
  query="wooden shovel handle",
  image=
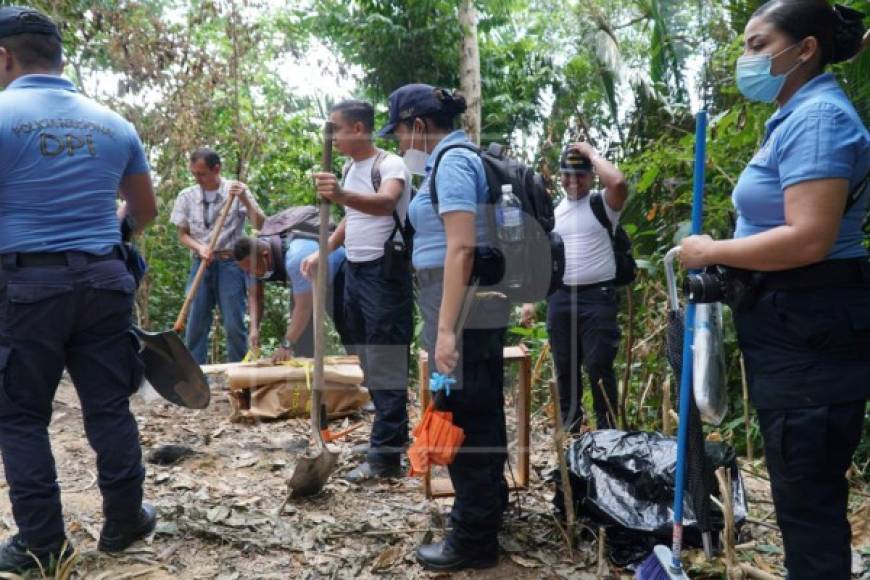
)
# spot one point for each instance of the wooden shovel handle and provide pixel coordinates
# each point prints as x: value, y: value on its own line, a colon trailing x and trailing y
x: 320, y: 290
x: 181, y: 321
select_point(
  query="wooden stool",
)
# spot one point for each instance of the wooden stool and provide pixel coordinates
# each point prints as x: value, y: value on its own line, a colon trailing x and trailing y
x: 518, y: 478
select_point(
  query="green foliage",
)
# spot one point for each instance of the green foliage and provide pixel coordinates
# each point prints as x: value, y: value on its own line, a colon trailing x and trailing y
x: 397, y: 42
x: 616, y: 72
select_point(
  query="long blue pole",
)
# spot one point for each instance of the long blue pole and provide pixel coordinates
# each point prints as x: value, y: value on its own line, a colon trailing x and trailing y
x: 688, y: 340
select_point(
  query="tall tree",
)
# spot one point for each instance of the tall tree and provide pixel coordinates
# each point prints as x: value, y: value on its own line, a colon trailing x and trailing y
x: 469, y: 66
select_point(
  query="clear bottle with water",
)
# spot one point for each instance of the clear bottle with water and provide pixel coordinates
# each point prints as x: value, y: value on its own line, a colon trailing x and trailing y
x: 509, y: 216
x: 509, y: 220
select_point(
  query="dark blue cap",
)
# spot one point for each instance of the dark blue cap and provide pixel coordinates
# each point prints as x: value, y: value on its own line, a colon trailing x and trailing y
x: 16, y: 20
x: 410, y: 102
x: 572, y: 162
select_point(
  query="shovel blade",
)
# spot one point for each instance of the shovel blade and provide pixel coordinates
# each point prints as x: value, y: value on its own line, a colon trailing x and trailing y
x: 311, y: 473
x: 171, y: 370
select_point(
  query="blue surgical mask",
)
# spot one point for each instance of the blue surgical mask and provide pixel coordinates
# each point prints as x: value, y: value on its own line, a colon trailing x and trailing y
x: 755, y: 80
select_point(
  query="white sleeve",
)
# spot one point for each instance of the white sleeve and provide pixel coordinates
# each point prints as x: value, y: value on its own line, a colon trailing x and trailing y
x: 392, y: 167
x: 611, y: 213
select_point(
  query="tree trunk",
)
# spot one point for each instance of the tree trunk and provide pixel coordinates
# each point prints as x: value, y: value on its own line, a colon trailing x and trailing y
x: 469, y: 66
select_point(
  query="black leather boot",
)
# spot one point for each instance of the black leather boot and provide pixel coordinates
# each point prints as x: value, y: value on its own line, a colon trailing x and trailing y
x: 117, y: 535
x: 441, y: 557
x: 15, y: 556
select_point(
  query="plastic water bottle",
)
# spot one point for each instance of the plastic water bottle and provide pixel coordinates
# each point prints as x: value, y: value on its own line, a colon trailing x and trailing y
x: 509, y: 216
x: 509, y: 219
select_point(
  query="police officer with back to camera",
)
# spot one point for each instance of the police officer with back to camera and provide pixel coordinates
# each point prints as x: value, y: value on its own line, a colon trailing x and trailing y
x: 66, y: 296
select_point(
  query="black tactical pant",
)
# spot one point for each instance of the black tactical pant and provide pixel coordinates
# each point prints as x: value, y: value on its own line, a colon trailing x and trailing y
x: 76, y: 316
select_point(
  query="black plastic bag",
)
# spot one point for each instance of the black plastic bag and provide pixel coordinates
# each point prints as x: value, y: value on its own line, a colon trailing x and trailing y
x: 624, y: 481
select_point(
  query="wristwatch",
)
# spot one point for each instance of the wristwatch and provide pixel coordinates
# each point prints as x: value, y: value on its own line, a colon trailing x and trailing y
x: 287, y: 344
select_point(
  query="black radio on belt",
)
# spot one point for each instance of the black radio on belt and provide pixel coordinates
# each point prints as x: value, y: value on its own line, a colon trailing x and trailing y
x: 397, y: 252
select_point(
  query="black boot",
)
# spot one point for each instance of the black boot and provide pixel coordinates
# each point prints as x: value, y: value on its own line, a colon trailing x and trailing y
x: 441, y: 557
x: 16, y: 557
x: 118, y: 535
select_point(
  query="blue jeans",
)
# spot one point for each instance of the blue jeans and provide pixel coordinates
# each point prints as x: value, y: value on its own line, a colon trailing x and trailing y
x: 581, y: 322
x: 378, y: 315
x: 76, y: 316
x: 224, y: 285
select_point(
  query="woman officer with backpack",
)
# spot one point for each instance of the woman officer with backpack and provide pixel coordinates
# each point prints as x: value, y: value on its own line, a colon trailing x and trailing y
x: 422, y: 119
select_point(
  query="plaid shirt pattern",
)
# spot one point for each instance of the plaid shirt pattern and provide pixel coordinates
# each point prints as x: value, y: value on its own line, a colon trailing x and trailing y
x: 191, y: 210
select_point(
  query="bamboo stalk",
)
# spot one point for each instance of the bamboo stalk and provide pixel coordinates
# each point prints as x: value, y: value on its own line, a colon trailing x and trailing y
x: 558, y: 443
x: 746, y: 422
x: 666, y: 406
x: 637, y: 415
x: 602, y: 561
x: 539, y: 364
x: 622, y: 394
x: 756, y: 573
x: 723, y: 476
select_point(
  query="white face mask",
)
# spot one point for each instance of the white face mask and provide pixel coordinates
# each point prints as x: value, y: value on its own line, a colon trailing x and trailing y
x: 415, y: 160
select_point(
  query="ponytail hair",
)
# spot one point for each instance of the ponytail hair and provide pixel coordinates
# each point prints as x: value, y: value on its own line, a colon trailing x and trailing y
x: 839, y: 30
x: 452, y: 106
x: 848, y: 33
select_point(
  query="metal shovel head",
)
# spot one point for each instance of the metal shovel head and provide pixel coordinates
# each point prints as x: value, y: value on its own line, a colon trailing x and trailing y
x: 708, y: 364
x: 171, y: 370
x: 312, y: 472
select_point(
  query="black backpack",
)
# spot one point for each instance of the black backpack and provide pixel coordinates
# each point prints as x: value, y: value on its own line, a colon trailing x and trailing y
x: 301, y: 220
x: 626, y: 267
x: 542, y: 262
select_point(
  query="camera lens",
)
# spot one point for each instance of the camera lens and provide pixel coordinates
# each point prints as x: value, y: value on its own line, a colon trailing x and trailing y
x: 704, y: 287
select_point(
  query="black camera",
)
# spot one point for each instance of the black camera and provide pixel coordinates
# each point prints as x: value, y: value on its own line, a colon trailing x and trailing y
x: 735, y: 287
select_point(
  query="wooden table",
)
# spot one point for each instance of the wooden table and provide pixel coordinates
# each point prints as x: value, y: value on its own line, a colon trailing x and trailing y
x: 518, y: 478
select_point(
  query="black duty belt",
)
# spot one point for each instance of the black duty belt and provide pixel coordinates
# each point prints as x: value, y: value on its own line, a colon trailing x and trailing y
x: 853, y: 272
x: 42, y: 259
x: 582, y: 287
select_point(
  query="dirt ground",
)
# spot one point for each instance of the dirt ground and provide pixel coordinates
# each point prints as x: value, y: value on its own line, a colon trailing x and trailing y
x: 218, y: 509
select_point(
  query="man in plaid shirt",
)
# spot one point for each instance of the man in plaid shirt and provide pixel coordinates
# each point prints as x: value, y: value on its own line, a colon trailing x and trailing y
x: 196, y: 212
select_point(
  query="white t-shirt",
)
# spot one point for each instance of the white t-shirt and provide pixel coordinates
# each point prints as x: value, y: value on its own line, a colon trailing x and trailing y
x: 588, y: 251
x: 366, y: 234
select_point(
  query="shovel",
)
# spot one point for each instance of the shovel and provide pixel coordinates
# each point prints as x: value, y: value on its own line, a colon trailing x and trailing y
x: 171, y: 370
x: 169, y: 366
x: 313, y: 470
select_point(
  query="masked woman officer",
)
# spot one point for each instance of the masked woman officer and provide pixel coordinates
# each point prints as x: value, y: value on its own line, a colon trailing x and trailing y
x: 422, y: 118
x: 806, y: 338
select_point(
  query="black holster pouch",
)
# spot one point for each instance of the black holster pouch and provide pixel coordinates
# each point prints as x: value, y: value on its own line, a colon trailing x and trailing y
x: 397, y: 260
x: 397, y: 252
x: 133, y: 259
x: 488, y: 267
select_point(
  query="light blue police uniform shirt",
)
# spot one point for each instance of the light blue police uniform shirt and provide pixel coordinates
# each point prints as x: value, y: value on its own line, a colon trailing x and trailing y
x: 816, y: 135
x: 62, y: 158
x: 297, y: 251
x: 461, y: 186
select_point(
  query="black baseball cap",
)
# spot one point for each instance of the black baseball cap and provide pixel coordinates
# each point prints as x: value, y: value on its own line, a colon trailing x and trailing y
x: 15, y: 20
x: 409, y: 102
x: 573, y: 162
